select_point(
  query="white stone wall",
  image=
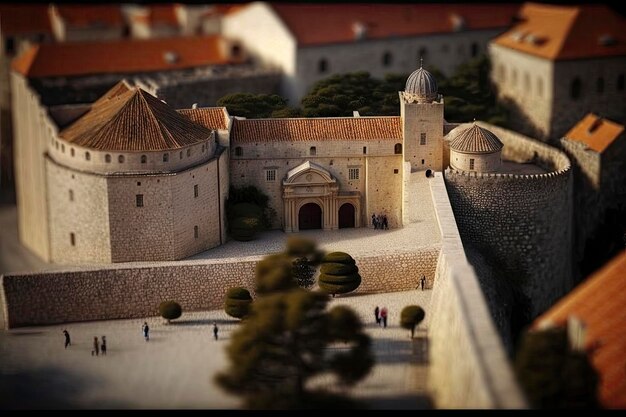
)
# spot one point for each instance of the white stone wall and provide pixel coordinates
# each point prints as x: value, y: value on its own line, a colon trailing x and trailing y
x: 486, y: 162
x: 383, y: 189
x: 418, y: 119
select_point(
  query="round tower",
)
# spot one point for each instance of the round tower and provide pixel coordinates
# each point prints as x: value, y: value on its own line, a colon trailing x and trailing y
x: 475, y: 149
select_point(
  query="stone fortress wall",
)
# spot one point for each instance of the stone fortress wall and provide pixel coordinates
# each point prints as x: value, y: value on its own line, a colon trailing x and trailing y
x: 523, y: 223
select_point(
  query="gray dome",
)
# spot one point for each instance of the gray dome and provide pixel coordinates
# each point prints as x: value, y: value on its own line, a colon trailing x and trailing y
x: 474, y: 139
x: 422, y: 84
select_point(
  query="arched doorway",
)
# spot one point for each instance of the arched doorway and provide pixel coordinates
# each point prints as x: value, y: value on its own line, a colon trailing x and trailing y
x: 310, y: 217
x: 346, y: 216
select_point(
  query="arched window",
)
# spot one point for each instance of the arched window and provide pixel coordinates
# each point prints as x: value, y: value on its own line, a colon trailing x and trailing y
x: 120, y: 159
x: 107, y: 158
x: 72, y: 151
x: 238, y: 151
x: 387, y: 59
x: 575, y: 89
x: 166, y: 157
x: 322, y: 66
x: 188, y: 152
x: 475, y: 49
x: 620, y: 82
x: 87, y: 156
x: 397, y: 149
x: 144, y: 159
x: 313, y: 151
x: 600, y: 85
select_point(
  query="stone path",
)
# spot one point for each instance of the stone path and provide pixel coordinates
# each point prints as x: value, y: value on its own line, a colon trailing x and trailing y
x: 175, y: 368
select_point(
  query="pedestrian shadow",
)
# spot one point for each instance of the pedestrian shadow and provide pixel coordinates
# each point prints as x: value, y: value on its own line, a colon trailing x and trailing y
x: 202, y: 322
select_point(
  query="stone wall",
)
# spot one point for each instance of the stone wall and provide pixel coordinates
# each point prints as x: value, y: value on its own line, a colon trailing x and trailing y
x: 418, y: 119
x: 468, y: 364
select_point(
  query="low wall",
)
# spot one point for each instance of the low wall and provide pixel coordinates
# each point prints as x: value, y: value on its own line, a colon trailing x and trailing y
x: 468, y: 364
x: 134, y: 290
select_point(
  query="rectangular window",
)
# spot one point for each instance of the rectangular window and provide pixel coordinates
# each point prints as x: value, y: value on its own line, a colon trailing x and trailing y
x: 423, y: 139
x: 353, y: 173
x: 9, y: 45
x: 195, y: 232
x: 395, y: 171
x: 71, y: 195
x: 364, y: 150
x: 313, y: 151
x: 139, y: 198
x: 72, y: 239
x: 471, y: 163
x: 270, y: 175
x: 195, y: 191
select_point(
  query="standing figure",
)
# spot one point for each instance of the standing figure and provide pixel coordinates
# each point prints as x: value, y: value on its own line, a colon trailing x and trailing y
x: 385, y: 223
x: 376, y: 316
x: 96, y: 347
x: 67, y: 338
x: 383, y: 316
x: 103, y: 347
x: 423, y: 281
x: 215, y: 330
x: 374, y: 221
x: 146, y: 331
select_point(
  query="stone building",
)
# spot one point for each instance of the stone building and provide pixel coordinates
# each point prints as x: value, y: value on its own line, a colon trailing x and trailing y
x: 475, y: 149
x: 309, y: 42
x: 87, y: 22
x: 557, y: 64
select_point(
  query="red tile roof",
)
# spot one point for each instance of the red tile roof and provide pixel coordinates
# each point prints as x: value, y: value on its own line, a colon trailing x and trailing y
x: 210, y: 117
x: 595, y: 132
x: 124, y: 56
x: 163, y: 14
x: 600, y: 302
x: 316, y: 129
x: 567, y: 32
x: 317, y: 24
x: 17, y: 19
x: 133, y: 121
x: 87, y: 15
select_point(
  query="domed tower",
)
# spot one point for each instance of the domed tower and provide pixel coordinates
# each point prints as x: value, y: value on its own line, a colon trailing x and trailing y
x: 421, y: 112
x: 475, y: 149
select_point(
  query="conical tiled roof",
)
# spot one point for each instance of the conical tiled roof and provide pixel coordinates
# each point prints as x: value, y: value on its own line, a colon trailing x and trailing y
x: 474, y: 139
x: 134, y: 121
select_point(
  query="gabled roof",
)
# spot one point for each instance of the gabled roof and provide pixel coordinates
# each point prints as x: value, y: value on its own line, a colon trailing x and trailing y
x: 567, y: 32
x: 91, y: 15
x: 600, y: 303
x: 595, y: 132
x: 133, y: 121
x: 213, y: 118
x: 474, y: 139
x: 316, y: 129
x: 318, y: 24
x: 123, y: 56
x: 20, y: 19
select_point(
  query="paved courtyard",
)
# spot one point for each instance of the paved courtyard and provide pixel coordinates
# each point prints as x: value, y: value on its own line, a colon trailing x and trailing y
x: 175, y: 368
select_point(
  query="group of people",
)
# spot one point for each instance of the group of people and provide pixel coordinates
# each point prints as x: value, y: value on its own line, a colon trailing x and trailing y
x: 97, y: 346
x: 380, y: 221
x: 381, y: 316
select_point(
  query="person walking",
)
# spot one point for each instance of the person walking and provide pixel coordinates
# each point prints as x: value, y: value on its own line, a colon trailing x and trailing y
x: 385, y: 223
x: 103, y: 346
x: 376, y: 316
x: 67, y: 338
x: 96, y: 347
x: 215, y: 330
x: 383, y: 316
x: 146, y: 331
x: 423, y: 281
x: 374, y: 221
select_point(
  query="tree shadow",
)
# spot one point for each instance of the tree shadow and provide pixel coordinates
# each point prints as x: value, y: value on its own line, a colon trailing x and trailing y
x: 393, y: 351
x: 202, y: 322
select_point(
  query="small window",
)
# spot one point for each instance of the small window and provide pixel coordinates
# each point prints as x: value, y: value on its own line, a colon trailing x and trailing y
x: 475, y: 49
x: 120, y: 159
x: 270, y: 175
x: 238, y: 151
x: 540, y: 87
x: 397, y: 149
x: 471, y: 163
x: 353, y: 173
x: 72, y: 239
x: 72, y: 151
x: 195, y: 232
x: 62, y: 148
x: 600, y: 85
x: 107, y: 158
x: 395, y: 171
x: 575, y: 89
x: 422, y: 138
x: 235, y: 51
x: 87, y: 156
x: 56, y: 145
x: 620, y: 82
x: 202, y: 148
x: 144, y: 159
x: 180, y: 155
x: 365, y: 150
x: 387, y: 59
x: 526, y: 82
x: 195, y: 191
x: 166, y: 157
x: 188, y: 152
x: 313, y: 151
x: 139, y: 200
x: 71, y: 195
x: 138, y: 183
x: 9, y: 45
x: 422, y: 162
x: 514, y: 77
x: 322, y: 66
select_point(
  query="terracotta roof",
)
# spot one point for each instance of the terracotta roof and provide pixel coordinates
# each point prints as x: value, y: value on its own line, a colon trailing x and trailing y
x: 474, y: 139
x: 600, y: 303
x: 91, y: 15
x: 123, y: 56
x: 316, y: 129
x: 316, y: 24
x: 595, y: 132
x: 210, y: 117
x: 163, y: 14
x: 16, y: 19
x: 117, y: 90
x: 134, y: 121
x: 567, y: 32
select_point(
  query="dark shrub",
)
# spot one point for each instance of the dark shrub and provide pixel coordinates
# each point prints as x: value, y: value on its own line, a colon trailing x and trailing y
x: 237, y: 303
x: 170, y: 310
x: 338, y: 257
x: 411, y: 316
x: 338, y: 269
x: 339, y: 284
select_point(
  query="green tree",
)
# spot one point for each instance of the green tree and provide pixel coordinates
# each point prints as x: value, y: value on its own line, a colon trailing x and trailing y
x: 237, y: 303
x: 256, y: 106
x: 170, y: 310
x: 411, y: 316
x: 553, y: 375
x: 339, y: 274
x: 248, y: 211
x: 305, y: 258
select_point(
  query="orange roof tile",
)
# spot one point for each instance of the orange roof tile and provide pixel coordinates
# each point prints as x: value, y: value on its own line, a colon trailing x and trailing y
x: 87, y: 15
x: 163, y: 14
x: 124, y: 56
x: 567, y: 32
x: 16, y: 19
x: 595, y: 132
x: 316, y: 24
x: 600, y: 302
x: 133, y: 121
x: 314, y: 129
x: 210, y: 117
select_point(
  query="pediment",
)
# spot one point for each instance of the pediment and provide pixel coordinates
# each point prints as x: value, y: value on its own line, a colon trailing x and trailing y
x: 308, y: 173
